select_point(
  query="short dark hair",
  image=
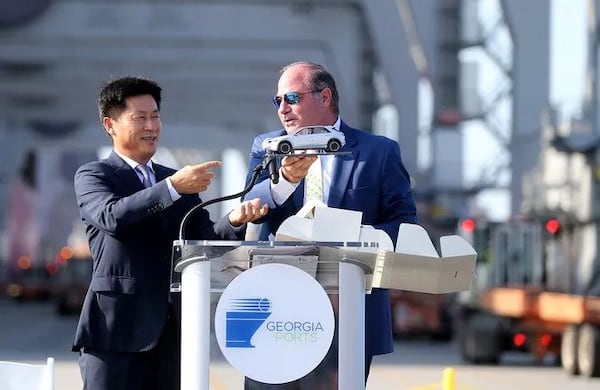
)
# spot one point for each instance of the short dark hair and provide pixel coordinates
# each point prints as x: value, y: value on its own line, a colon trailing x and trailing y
x: 111, y: 99
x: 318, y: 79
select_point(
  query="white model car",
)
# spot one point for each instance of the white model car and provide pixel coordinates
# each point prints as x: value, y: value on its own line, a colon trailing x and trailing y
x: 325, y: 138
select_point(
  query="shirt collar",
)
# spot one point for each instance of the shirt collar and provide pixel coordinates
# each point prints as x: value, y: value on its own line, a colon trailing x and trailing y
x: 338, y: 123
x: 133, y: 164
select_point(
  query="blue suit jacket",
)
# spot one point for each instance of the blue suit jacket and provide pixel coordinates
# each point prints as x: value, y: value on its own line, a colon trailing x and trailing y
x: 372, y: 180
x: 130, y: 230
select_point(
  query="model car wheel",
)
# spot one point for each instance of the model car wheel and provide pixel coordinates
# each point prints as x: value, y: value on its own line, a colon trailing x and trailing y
x: 333, y: 145
x: 284, y: 147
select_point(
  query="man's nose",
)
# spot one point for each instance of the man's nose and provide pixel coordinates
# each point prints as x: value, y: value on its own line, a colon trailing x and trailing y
x: 284, y: 107
x: 152, y: 124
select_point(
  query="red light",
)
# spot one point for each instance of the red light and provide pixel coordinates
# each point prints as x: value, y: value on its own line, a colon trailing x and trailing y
x: 24, y: 263
x: 468, y: 225
x: 552, y: 226
x: 51, y: 268
x: 519, y: 339
x: 545, y: 339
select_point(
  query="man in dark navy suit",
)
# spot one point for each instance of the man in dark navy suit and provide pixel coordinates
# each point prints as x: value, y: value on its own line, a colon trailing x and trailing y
x: 128, y: 335
x: 371, y: 179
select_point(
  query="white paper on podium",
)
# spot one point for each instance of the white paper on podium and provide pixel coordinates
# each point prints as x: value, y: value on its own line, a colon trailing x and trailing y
x: 294, y: 228
x: 370, y: 234
x: 416, y: 266
x: 331, y: 224
x: 327, y: 224
x: 414, y: 240
x: 307, y: 211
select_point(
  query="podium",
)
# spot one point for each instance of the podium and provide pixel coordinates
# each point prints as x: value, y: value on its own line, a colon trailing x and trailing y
x: 204, y: 267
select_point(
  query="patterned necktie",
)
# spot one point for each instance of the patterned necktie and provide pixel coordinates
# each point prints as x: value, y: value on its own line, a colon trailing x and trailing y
x: 314, y: 182
x: 145, y: 171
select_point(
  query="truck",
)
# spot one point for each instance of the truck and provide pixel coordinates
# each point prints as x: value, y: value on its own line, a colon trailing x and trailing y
x: 525, y: 300
x: 539, y: 289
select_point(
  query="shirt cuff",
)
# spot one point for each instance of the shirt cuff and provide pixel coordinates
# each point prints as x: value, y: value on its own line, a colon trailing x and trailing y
x: 172, y: 191
x: 282, y: 190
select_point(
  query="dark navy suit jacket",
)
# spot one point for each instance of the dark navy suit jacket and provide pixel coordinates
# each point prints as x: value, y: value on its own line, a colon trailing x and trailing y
x: 372, y: 180
x: 130, y: 231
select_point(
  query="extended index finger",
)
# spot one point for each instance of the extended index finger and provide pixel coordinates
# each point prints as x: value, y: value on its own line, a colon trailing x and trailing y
x: 210, y: 164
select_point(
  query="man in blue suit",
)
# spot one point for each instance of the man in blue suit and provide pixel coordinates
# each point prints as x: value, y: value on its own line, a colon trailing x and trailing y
x: 371, y: 179
x: 128, y: 331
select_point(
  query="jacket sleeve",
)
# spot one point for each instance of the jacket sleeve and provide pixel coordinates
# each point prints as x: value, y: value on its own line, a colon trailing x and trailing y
x: 105, y: 204
x: 262, y: 187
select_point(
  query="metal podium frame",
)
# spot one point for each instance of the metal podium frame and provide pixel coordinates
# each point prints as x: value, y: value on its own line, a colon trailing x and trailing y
x: 192, y: 262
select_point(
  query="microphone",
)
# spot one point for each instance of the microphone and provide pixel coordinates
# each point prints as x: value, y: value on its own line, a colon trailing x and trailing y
x: 257, y: 170
x: 271, y: 162
x: 186, y: 251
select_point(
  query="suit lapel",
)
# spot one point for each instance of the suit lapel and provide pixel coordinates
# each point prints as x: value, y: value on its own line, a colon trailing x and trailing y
x: 343, y: 166
x: 125, y: 172
x: 160, y: 173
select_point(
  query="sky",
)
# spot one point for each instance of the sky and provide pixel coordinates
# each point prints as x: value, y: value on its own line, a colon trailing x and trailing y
x: 567, y: 76
x: 568, y: 54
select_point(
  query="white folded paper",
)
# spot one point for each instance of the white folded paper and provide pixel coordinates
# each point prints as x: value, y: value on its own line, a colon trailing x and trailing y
x: 414, y: 264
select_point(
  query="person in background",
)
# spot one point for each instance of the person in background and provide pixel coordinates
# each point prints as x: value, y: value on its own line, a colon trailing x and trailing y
x: 371, y: 179
x: 128, y: 332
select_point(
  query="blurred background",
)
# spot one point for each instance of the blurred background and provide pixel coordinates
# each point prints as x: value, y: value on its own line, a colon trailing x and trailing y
x: 494, y: 104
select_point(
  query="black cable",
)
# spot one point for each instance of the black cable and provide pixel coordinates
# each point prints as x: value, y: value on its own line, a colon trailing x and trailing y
x: 257, y: 170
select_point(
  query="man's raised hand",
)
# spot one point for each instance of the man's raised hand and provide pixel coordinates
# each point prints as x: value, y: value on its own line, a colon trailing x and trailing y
x: 193, y: 179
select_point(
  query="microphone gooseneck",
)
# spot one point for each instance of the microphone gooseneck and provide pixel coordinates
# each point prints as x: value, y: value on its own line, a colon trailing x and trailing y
x: 257, y: 170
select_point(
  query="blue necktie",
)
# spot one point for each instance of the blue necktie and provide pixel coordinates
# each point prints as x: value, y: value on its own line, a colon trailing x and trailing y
x: 145, y: 171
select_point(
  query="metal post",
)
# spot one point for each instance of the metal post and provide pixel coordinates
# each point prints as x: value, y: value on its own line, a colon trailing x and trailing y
x: 195, y: 326
x: 351, y: 326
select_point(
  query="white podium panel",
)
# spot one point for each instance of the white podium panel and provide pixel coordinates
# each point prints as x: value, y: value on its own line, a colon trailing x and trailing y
x: 252, y: 320
x: 203, y: 270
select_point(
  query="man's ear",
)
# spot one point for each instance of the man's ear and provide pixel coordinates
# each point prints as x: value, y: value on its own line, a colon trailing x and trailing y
x: 108, y: 125
x: 326, y: 96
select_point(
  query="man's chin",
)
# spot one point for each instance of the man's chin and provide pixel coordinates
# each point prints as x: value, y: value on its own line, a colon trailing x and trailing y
x: 291, y: 128
x: 149, y: 153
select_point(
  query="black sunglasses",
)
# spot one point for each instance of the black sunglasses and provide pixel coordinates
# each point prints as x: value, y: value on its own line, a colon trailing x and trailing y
x: 290, y: 98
